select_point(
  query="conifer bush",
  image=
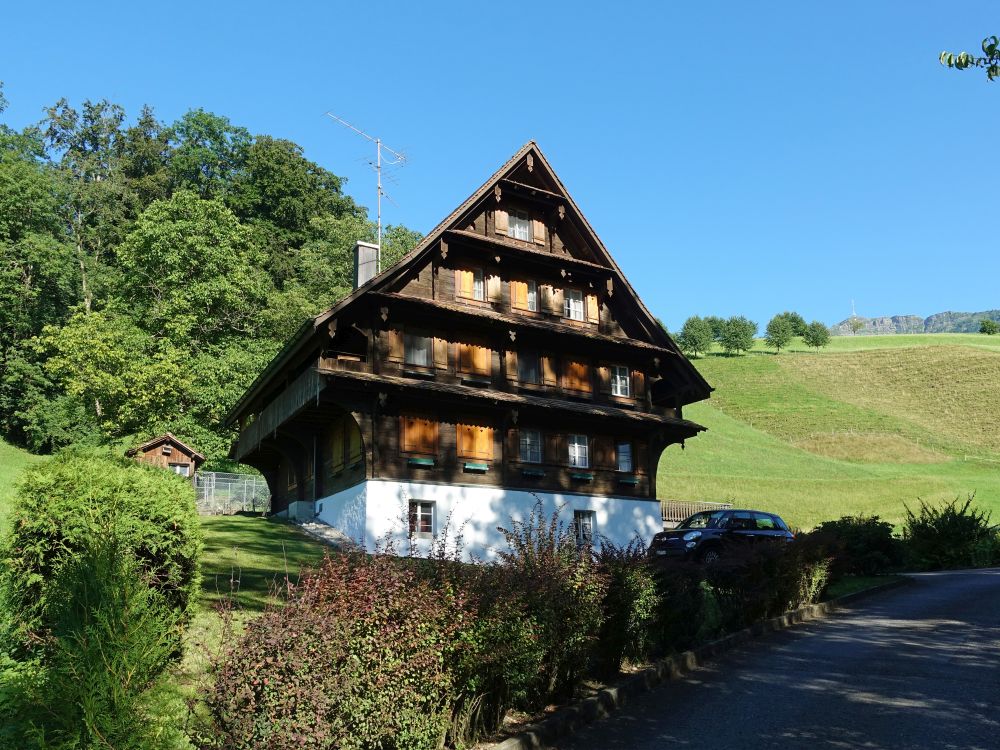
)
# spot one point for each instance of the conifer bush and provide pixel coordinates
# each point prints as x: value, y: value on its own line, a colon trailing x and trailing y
x: 64, y: 502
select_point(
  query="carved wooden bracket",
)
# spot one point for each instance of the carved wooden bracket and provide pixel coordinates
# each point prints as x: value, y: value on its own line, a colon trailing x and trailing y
x: 513, y: 335
x: 497, y: 259
x: 656, y: 363
x: 332, y: 327
x: 562, y: 272
x: 561, y: 211
x: 611, y: 286
x: 513, y: 416
x: 496, y: 192
x: 444, y: 250
x: 531, y: 163
x: 384, y: 312
x: 382, y: 398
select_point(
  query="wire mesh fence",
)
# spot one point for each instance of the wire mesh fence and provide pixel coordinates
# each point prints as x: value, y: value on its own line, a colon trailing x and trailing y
x: 219, y: 493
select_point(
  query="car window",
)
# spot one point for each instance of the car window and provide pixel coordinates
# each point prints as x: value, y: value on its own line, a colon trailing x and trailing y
x: 779, y: 523
x: 764, y: 522
x: 741, y: 521
x: 703, y: 520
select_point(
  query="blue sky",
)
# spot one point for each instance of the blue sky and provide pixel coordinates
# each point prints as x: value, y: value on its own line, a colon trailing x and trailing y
x: 736, y: 158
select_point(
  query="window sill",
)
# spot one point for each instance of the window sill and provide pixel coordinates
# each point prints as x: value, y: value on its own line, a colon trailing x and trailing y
x: 469, y: 379
x: 582, y: 476
x: 424, y: 462
x: 532, y: 473
x: 410, y: 372
x: 476, y: 467
x: 629, y: 480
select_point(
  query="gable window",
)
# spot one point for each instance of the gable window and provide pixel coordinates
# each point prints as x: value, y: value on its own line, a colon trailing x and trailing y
x: 529, y: 367
x: 621, y: 381
x: 579, y: 451
x: 519, y: 226
x: 475, y: 442
x: 530, y: 446
x: 417, y: 350
x: 420, y: 436
x: 624, y: 451
x: 573, y: 304
x: 524, y: 295
x: 470, y: 284
x: 583, y: 527
x: 421, y: 519
x: 167, y: 450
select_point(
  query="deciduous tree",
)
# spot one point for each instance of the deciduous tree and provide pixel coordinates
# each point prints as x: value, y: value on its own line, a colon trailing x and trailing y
x: 696, y: 336
x: 738, y: 334
x: 817, y: 335
x: 778, y: 333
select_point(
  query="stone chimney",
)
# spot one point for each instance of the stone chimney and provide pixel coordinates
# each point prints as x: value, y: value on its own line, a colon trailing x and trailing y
x: 365, y: 262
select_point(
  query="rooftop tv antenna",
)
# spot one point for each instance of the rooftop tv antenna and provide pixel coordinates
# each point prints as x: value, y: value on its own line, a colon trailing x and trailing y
x: 394, y: 158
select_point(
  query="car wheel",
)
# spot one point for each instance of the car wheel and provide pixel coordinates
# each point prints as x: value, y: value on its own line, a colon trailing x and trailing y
x: 710, y: 557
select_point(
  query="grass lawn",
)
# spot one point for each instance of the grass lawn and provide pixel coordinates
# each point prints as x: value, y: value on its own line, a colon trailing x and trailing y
x: 12, y: 462
x: 854, y: 428
x: 249, y: 556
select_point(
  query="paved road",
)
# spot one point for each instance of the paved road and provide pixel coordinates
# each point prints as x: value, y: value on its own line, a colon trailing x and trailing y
x: 918, y: 667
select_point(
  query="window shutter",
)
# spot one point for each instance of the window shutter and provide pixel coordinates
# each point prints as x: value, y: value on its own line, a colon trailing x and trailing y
x: 549, y: 376
x: 466, y: 440
x: 484, y: 443
x: 519, y: 294
x: 556, y: 301
x: 481, y: 360
x: 578, y: 376
x: 639, y: 383
x: 354, y: 440
x: 593, y: 310
x: 465, y: 357
x: 500, y: 217
x: 493, y: 288
x: 337, y: 446
x: 555, y: 449
x: 538, y: 232
x: 464, y: 283
x: 512, y: 366
x: 441, y: 354
x: 639, y: 458
x: 604, y: 378
x: 395, y: 345
x: 407, y: 426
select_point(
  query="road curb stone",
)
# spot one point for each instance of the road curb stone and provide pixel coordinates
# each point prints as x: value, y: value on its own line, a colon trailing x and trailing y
x: 567, y: 720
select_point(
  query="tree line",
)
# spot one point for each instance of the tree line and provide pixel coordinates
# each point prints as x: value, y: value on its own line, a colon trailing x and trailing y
x: 148, y: 271
x: 735, y: 335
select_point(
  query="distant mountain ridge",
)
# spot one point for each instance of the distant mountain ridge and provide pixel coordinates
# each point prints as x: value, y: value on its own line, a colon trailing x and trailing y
x: 943, y: 322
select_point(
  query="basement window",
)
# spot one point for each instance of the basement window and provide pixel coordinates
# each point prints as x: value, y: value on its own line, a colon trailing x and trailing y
x: 583, y: 527
x: 421, y: 519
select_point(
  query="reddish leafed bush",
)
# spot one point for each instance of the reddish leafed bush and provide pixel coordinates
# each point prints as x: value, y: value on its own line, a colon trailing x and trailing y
x: 356, y: 658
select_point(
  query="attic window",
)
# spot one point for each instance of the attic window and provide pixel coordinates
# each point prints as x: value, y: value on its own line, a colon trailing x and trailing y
x: 167, y: 450
x: 519, y: 226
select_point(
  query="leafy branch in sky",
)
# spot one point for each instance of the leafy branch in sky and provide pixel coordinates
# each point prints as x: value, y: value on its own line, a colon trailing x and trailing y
x: 990, y: 59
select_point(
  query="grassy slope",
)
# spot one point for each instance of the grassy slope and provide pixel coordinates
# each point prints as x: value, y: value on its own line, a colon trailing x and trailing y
x: 854, y: 428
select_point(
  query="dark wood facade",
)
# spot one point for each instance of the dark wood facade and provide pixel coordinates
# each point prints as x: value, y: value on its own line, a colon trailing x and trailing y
x: 506, y: 350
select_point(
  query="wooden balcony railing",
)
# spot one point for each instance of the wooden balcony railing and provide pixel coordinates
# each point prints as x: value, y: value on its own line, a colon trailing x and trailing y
x: 305, y: 388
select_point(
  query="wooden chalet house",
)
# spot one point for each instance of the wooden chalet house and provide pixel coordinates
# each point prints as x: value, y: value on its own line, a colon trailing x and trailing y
x: 168, y: 452
x: 503, y: 361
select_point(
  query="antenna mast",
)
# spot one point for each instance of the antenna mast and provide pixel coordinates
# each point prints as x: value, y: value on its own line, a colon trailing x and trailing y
x: 397, y: 158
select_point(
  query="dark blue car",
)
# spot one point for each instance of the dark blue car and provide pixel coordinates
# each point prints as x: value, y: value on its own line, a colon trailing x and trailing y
x: 705, y: 536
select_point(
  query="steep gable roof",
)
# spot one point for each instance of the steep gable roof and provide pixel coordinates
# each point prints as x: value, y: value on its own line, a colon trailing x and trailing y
x: 166, y: 437
x: 378, y: 283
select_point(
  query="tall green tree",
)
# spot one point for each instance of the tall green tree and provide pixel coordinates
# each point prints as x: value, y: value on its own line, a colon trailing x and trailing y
x: 192, y: 271
x: 796, y: 321
x: 778, y: 333
x: 718, y: 325
x: 817, y: 335
x: 208, y: 153
x: 738, y: 334
x: 696, y: 336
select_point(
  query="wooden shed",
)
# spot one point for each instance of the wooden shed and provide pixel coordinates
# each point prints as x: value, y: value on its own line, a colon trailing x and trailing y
x: 167, y: 452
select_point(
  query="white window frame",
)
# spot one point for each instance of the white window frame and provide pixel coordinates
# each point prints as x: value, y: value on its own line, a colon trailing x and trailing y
x: 584, y: 523
x: 478, y: 285
x: 621, y: 381
x: 623, y: 451
x: 573, y: 304
x: 578, y: 450
x: 418, y: 510
x: 519, y: 225
x: 176, y: 468
x: 532, y: 296
x: 530, y: 446
x: 410, y: 350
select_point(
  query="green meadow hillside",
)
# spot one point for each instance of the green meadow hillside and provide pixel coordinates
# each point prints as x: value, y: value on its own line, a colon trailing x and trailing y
x: 866, y: 425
